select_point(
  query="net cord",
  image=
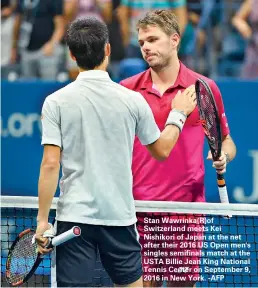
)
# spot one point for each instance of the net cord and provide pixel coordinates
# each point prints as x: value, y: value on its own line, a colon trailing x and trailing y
x: 152, y: 206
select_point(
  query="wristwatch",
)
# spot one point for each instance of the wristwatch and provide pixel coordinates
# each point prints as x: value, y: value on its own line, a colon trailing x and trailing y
x: 227, y: 158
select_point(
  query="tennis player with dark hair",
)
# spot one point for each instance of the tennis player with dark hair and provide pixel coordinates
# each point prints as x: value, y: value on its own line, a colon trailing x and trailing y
x: 181, y: 176
x: 90, y: 126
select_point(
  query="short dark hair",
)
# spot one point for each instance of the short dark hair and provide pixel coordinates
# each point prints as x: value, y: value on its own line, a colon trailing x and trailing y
x: 86, y: 39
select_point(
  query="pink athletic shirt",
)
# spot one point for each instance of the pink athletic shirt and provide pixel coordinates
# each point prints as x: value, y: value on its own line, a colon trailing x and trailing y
x: 181, y: 176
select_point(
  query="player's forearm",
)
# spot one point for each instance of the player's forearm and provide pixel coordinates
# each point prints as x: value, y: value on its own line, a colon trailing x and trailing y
x: 161, y: 148
x: 168, y: 139
x: 48, y: 180
x: 229, y: 147
x: 173, y: 127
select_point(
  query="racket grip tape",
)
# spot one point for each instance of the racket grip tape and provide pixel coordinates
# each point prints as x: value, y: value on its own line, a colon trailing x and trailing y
x: 223, y: 194
x: 72, y: 233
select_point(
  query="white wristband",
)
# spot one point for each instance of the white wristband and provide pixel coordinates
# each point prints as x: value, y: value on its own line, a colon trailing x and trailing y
x: 176, y: 118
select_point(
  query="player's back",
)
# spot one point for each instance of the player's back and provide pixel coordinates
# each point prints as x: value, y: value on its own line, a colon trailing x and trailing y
x: 98, y: 120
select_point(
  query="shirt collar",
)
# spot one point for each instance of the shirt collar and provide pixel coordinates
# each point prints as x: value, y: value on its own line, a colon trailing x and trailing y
x: 182, y: 77
x: 180, y: 81
x: 93, y: 74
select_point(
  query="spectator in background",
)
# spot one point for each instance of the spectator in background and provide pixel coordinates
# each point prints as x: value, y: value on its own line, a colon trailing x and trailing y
x: 187, y: 45
x: 7, y: 21
x: 38, y: 30
x: 246, y: 22
x: 116, y: 42
x: 7, y: 8
x: 102, y: 9
x: 132, y: 10
x: 199, y: 31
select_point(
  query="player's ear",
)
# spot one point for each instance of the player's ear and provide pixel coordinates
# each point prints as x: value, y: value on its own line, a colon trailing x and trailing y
x: 107, y: 49
x: 175, y: 40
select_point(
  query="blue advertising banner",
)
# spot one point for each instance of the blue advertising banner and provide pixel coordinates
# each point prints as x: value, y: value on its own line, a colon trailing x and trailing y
x: 22, y: 152
x: 21, y: 135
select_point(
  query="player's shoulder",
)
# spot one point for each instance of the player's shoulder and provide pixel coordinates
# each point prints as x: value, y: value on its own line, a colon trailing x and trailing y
x: 59, y: 95
x: 135, y: 81
x: 195, y: 76
x: 192, y: 76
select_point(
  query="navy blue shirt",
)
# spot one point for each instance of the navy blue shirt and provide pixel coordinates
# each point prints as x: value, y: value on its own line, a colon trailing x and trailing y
x: 42, y: 16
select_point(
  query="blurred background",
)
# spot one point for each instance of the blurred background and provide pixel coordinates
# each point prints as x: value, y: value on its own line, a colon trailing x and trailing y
x: 219, y: 40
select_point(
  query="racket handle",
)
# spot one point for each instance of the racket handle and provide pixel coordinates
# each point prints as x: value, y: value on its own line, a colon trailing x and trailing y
x: 72, y: 233
x: 223, y: 193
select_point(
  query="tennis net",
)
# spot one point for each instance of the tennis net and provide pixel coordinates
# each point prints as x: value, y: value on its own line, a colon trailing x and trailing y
x: 181, y: 242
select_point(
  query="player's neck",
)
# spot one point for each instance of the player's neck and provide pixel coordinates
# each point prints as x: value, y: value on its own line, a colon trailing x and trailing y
x: 99, y: 68
x: 102, y: 67
x: 168, y: 75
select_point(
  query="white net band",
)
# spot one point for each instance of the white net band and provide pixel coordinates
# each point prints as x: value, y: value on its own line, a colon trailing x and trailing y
x: 152, y: 206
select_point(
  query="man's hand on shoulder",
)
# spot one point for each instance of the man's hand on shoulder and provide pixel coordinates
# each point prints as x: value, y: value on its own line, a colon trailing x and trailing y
x: 185, y: 101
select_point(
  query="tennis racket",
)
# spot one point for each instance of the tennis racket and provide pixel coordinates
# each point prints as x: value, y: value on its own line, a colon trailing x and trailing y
x: 211, y: 125
x: 23, y: 257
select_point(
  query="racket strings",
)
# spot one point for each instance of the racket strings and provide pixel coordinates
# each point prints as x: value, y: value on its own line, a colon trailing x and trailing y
x: 23, y: 258
x: 208, y: 119
x: 204, y: 126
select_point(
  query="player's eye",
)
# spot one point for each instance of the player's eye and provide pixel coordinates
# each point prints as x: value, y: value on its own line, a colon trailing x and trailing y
x: 152, y: 40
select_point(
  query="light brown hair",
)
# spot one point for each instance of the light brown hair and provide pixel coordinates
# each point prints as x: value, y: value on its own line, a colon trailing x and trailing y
x: 164, y: 19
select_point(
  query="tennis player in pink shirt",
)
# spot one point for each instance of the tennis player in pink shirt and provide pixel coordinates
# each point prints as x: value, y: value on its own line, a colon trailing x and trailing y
x: 181, y: 176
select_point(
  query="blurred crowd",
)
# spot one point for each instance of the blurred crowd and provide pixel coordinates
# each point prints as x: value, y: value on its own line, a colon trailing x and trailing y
x: 219, y: 38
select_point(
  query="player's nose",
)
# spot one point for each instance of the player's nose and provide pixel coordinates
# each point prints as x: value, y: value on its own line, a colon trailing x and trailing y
x: 146, y: 47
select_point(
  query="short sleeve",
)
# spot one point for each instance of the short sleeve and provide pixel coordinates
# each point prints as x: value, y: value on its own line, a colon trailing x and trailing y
x: 221, y: 111
x: 50, y: 119
x: 146, y: 129
x: 57, y: 7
